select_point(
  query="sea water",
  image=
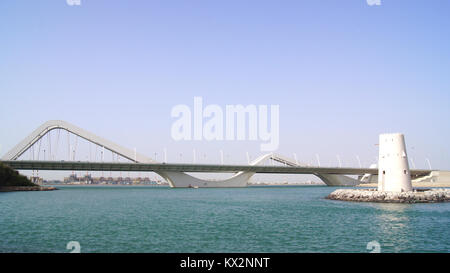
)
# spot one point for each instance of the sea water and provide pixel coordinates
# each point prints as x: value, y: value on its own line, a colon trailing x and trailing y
x: 254, y: 219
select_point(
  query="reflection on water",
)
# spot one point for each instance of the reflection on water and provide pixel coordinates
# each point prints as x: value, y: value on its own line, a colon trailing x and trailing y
x: 392, y: 215
x: 394, y: 226
x: 392, y: 207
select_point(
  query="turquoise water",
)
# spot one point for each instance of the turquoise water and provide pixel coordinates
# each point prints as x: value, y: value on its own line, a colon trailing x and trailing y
x: 254, y: 219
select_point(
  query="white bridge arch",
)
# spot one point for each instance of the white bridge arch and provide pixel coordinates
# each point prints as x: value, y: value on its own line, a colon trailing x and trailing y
x: 175, y: 179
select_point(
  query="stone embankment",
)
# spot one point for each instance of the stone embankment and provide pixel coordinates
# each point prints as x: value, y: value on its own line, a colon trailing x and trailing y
x: 26, y: 188
x: 372, y: 195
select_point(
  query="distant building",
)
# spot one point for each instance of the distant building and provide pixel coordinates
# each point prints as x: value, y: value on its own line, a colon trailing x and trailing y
x: 88, y: 179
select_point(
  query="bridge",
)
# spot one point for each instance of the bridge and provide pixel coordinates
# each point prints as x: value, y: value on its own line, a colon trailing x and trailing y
x: 164, y: 167
x: 175, y: 174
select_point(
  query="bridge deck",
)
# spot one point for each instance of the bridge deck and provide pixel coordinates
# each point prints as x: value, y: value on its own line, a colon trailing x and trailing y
x: 151, y: 167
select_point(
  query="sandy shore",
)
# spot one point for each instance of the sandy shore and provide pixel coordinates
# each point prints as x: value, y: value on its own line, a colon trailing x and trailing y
x: 415, y: 185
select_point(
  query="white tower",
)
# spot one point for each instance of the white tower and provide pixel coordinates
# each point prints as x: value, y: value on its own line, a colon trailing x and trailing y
x: 393, y: 168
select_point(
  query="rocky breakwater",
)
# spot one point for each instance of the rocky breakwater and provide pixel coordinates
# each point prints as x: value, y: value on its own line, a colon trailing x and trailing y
x: 372, y: 195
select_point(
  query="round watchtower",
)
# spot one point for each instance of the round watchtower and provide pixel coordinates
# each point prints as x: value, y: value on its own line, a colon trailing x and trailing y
x: 393, y: 168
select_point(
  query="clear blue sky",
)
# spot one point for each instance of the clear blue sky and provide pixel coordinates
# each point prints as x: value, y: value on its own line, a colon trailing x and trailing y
x: 341, y: 71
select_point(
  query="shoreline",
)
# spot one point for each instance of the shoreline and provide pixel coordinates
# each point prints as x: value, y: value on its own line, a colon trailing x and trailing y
x: 167, y: 185
x: 414, y: 184
x: 26, y: 188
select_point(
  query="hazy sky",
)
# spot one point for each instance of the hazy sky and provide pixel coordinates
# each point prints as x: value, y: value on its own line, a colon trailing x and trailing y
x: 342, y: 72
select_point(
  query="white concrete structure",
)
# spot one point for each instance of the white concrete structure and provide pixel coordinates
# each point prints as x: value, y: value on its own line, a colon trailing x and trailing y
x: 435, y: 177
x: 184, y: 180
x: 37, y: 134
x: 175, y: 178
x: 393, y: 168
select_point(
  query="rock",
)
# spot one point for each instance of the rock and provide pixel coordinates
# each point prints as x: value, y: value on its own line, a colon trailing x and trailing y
x: 372, y: 195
